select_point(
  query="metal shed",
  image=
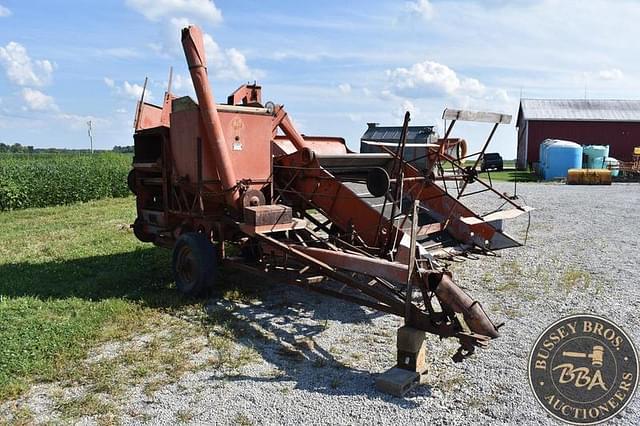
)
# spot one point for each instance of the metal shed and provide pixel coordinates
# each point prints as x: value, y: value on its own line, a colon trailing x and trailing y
x: 585, y: 121
x: 376, y: 137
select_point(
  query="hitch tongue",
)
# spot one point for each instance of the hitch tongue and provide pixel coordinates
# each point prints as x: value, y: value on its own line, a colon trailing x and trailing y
x: 449, y: 294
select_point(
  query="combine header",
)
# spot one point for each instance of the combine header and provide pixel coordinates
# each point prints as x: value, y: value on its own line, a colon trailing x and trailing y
x: 368, y: 228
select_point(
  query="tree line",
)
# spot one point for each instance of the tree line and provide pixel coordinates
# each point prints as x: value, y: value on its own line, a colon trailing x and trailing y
x: 17, y: 148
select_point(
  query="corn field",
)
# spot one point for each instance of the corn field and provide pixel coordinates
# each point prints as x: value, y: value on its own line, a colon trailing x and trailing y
x: 44, y: 179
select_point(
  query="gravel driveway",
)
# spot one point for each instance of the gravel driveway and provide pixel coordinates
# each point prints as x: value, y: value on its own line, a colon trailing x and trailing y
x: 318, y: 357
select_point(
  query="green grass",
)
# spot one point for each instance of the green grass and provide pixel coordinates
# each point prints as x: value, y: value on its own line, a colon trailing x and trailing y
x: 510, y: 175
x: 84, y: 405
x: 242, y: 419
x: 40, y: 180
x: 73, y: 278
x: 572, y: 278
x: 70, y: 277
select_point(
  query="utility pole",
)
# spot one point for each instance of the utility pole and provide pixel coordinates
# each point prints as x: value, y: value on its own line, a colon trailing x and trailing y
x: 90, y: 132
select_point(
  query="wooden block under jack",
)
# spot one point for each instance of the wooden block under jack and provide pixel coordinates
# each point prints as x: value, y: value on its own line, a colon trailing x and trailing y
x: 410, y: 339
x: 413, y: 361
x: 412, y: 354
x: 412, y: 364
x: 397, y: 381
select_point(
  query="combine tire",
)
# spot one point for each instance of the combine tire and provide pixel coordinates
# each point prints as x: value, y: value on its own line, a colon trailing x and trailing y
x: 138, y: 231
x: 194, y: 264
x: 131, y: 181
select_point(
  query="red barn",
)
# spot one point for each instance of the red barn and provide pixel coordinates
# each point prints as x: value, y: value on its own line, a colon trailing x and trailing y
x: 587, y: 121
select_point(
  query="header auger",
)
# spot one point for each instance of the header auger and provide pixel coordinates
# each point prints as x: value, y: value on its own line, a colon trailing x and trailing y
x: 308, y: 211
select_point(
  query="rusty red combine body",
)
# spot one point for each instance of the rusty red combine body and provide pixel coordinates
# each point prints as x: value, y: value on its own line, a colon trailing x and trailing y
x: 308, y: 210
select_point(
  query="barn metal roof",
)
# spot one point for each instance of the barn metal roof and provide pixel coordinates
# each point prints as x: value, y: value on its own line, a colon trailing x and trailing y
x: 415, y: 134
x: 580, y: 110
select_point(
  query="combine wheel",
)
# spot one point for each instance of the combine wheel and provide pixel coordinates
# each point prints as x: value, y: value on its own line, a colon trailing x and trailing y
x: 131, y: 181
x: 194, y: 264
x: 139, y: 232
x: 251, y: 251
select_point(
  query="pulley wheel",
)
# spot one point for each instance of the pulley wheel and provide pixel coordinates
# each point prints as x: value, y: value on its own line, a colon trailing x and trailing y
x: 253, y: 198
x: 378, y: 182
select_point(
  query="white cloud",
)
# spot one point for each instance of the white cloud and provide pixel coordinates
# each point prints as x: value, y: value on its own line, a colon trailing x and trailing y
x: 224, y: 64
x: 229, y: 64
x: 406, y: 105
x: 431, y: 78
x: 502, y: 96
x: 4, y: 11
x: 181, y: 82
x: 605, y: 75
x: 133, y: 91
x: 154, y: 10
x: 182, y: 85
x: 387, y: 95
x: 169, y: 44
x: 128, y: 90
x: 158, y: 48
x: 21, y: 69
x: 472, y: 87
x: 238, y: 64
x: 212, y: 51
x: 38, y: 101
x: 422, y: 7
x: 344, y: 88
x: 611, y: 74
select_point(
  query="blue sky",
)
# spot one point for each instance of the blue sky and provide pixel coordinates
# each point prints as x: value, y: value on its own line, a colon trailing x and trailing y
x: 335, y: 65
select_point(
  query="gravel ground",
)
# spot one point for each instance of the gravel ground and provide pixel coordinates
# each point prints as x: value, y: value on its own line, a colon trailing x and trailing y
x: 320, y: 357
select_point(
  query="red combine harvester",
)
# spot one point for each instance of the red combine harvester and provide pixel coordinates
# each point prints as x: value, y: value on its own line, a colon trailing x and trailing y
x: 368, y: 228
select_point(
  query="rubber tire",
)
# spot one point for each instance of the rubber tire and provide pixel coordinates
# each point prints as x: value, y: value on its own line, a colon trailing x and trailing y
x: 250, y: 251
x: 131, y: 181
x: 200, y: 253
x: 138, y: 231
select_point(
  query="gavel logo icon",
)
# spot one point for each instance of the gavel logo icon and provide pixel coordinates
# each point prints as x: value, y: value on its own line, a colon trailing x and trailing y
x: 596, y: 355
x: 583, y: 369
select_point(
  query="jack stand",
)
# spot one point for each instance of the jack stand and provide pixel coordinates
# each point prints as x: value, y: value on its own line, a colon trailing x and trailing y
x: 407, y: 374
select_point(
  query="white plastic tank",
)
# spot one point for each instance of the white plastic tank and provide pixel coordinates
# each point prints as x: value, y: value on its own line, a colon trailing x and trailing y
x: 613, y: 165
